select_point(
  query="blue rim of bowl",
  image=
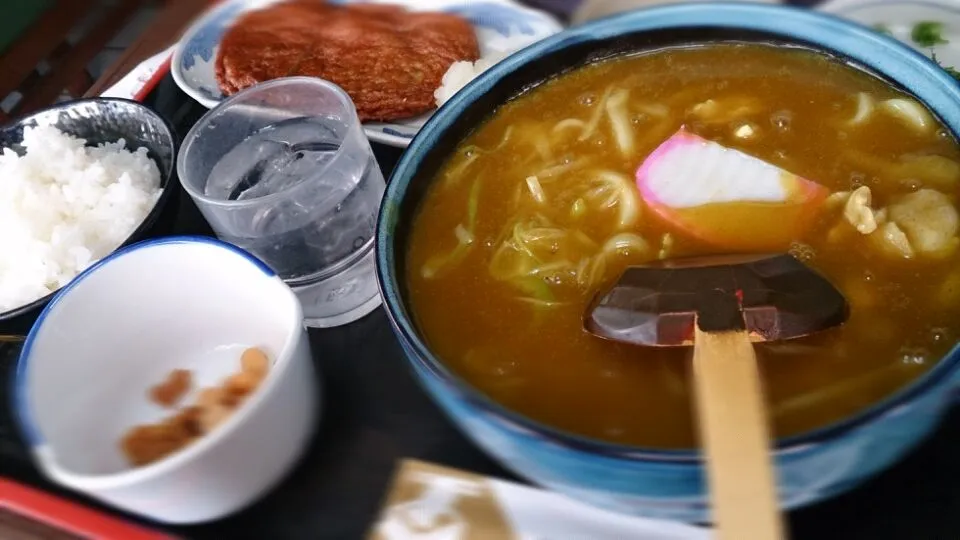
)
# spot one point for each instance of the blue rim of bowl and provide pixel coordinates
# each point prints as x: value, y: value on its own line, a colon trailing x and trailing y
x: 880, y: 53
x: 151, y: 217
x: 21, y: 407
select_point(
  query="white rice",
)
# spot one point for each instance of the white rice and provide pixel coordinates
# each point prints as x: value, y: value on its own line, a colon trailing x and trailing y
x: 461, y: 73
x: 64, y: 206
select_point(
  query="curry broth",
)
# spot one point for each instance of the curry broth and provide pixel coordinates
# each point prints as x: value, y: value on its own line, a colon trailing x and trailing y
x: 536, y: 359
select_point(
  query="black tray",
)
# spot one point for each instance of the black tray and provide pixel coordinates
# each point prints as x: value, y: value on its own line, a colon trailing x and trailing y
x: 374, y: 414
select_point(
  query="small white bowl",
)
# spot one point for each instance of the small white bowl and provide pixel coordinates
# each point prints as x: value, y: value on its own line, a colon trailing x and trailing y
x: 119, y: 328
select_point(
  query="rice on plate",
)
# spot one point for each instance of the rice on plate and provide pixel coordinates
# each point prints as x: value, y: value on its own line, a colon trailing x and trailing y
x: 64, y: 206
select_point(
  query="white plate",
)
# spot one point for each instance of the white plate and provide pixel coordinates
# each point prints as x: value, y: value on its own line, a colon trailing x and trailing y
x: 501, y: 25
x: 900, y: 16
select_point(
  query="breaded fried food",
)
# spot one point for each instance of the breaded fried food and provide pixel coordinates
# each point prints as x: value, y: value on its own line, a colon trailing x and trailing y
x: 389, y: 60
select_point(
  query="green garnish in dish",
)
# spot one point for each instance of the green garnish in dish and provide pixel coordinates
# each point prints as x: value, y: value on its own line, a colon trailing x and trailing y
x: 883, y: 29
x: 952, y: 71
x: 928, y: 34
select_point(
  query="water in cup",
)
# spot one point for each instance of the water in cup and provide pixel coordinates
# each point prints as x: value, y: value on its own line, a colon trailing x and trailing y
x: 297, y: 241
x: 284, y: 171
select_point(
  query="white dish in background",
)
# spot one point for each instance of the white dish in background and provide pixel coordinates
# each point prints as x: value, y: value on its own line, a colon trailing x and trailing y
x: 120, y: 328
x: 900, y: 16
x: 589, y: 10
x: 501, y: 25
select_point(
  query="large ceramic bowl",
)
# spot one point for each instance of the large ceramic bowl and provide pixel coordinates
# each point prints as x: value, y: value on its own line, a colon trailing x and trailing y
x: 670, y: 484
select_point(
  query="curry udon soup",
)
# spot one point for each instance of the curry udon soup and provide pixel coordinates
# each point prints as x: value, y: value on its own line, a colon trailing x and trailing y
x: 539, y: 209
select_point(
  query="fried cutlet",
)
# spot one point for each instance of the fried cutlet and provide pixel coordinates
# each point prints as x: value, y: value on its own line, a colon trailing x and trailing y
x: 389, y: 60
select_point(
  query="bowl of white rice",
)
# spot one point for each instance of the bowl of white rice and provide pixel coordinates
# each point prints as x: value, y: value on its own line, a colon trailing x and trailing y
x: 77, y: 181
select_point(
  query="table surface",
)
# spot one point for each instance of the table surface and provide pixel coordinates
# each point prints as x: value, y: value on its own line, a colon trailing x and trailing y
x: 164, y: 30
x: 374, y: 413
